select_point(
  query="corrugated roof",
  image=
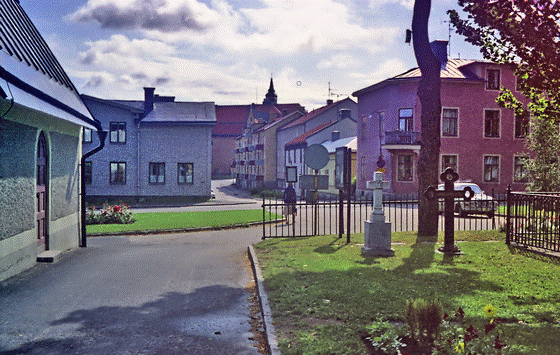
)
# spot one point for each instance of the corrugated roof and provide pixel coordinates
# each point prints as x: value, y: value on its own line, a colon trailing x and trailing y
x: 455, y: 69
x: 315, y: 113
x: 36, y: 77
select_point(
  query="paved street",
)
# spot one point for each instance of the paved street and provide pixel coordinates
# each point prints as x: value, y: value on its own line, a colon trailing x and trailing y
x: 157, y: 294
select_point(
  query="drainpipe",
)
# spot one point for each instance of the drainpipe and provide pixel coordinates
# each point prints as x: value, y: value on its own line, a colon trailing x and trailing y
x: 102, y: 136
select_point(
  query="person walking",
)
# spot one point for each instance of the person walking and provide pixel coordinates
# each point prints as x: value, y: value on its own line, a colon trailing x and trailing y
x: 290, y: 199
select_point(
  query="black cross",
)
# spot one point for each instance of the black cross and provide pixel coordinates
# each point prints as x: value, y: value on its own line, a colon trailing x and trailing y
x: 449, y: 195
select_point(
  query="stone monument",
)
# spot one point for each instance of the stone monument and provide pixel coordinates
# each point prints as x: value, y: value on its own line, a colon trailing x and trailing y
x: 377, y: 235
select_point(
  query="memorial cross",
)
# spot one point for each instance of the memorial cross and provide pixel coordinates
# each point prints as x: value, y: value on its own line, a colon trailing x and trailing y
x: 449, y: 194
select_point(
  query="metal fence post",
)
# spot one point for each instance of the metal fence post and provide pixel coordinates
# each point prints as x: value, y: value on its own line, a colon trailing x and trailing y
x: 508, y: 217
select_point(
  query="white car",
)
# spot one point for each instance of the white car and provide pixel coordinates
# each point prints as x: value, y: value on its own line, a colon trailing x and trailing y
x: 480, y: 203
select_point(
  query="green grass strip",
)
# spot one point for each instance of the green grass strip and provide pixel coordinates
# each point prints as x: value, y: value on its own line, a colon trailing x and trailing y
x: 324, y: 292
x: 164, y: 221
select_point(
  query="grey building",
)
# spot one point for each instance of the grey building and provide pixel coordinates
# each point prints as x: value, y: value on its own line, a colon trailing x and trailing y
x: 41, y: 121
x: 158, y: 151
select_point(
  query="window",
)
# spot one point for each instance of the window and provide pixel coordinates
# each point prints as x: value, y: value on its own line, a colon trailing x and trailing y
x: 88, y: 177
x: 185, y: 173
x: 405, y: 119
x: 86, y: 137
x: 449, y: 122
x: 404, y: 167
x: 521, y: 125
x: 492, y: 79
x: 491, y: 123
x: 520, y: 172
x: 117, y: 132
x: 118, y: 173
x: 491, y: 168
x: 449, y: 161
x: 157, y: 173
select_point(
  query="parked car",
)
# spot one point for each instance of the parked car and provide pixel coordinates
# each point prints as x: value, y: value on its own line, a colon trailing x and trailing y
x: 480, y: 203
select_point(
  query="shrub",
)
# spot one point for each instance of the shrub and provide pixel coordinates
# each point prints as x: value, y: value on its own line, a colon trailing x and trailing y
x: 110, y: 214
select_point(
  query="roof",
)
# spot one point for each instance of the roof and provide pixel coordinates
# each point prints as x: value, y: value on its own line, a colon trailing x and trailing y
x: 230, y: 120
x: 36, y: 78
x: 315, y: 113
x: 301, y: 139
x: 181, y: 112
x: 349, y: 142
x: 454, y: 69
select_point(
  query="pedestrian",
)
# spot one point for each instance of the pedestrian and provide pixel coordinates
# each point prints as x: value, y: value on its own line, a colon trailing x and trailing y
x: 290, y: 199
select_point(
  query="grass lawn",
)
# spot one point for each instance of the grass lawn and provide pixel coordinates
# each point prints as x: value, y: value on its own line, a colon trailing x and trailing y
x: 180, y: 221
x: 324, y: 293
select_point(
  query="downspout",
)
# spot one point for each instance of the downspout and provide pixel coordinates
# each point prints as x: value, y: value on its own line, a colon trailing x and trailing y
x: 102, y: 136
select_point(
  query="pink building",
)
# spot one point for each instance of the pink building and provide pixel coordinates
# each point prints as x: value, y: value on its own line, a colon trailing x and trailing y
x: 483, y: 142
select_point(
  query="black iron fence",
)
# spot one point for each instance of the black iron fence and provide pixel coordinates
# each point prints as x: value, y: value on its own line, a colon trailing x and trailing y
x: 329, y: 217
x: 533, y: 220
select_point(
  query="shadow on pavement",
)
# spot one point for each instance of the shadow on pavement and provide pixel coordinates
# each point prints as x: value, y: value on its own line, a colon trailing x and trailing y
x: 211, y: 320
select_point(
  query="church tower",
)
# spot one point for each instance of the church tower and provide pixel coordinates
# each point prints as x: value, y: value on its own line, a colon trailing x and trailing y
x: 271, y: 98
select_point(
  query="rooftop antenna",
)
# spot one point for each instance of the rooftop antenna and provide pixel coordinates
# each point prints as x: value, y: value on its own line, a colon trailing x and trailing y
x: 448, y: 37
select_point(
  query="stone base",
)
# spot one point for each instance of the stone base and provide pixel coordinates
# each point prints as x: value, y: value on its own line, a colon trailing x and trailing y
x: 377, y: 239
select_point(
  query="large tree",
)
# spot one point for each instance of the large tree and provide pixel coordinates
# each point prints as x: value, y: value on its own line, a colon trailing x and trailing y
x: 430, y: 100
x: 525, y: 35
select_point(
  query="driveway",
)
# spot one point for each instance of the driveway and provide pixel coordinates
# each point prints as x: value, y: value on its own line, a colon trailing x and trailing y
x: 159, y: 294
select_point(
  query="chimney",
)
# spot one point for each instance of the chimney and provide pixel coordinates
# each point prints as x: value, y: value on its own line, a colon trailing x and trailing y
x: 148, y: 100
x: 439, y: 48
x: 329, y: 101
x: 344, y: 113
x: 335, y: 135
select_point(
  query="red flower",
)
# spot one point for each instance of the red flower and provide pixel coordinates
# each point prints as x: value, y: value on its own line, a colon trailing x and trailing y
x: 116, y: 209
x: 498, y: 344
x: 460, y: 313
x: 471, y: 333
x: 488, y: 327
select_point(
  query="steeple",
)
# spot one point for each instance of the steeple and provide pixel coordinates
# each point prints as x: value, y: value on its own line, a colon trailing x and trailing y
x: 271, y: 98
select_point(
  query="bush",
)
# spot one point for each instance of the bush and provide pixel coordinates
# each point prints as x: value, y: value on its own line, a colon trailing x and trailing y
x: 110, y: 214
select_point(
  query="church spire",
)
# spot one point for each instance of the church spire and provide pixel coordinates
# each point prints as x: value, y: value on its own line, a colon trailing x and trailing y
x: 271, y: 98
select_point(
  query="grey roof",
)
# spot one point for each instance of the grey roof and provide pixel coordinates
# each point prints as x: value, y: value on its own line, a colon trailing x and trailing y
x: 182, y: 112
x: 350, y: 142
x: 31, y: 72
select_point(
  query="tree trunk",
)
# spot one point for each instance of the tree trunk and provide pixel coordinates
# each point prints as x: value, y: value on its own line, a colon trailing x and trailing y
x: 430, y: 100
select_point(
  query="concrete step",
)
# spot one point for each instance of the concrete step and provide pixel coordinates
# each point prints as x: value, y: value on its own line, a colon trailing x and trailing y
x: 49, y: 256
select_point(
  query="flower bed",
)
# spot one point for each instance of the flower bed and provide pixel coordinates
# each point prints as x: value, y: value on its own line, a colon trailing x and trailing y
x: 110, y: 214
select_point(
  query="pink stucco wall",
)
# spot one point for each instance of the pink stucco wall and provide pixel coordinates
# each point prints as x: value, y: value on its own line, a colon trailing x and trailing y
x: 471, y: 98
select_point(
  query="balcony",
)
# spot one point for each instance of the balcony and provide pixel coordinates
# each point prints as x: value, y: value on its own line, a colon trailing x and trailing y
x: 402, y: 140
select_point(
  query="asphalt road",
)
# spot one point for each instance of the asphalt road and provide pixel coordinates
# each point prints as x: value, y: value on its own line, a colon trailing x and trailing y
x: 158, y: 294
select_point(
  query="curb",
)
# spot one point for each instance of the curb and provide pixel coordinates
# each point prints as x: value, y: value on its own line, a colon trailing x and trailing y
x: 273, y: 348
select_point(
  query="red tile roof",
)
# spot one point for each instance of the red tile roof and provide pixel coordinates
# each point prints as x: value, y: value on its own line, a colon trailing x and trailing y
x: 314, y: 113
x: 230, y: 119
x: 301, y: 139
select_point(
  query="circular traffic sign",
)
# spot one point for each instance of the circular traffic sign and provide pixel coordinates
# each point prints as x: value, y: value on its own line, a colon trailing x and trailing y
x: 316, y: 156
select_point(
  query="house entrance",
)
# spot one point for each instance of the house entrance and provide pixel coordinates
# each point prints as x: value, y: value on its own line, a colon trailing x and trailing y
x: 42, y: 192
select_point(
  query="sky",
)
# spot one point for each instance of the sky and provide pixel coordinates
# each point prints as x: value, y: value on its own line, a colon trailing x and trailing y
x: 226, y: 51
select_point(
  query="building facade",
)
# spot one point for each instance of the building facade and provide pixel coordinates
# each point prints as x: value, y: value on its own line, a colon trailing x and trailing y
x: 481, y: 141
x: 158, y: 151
x: 41, y: 121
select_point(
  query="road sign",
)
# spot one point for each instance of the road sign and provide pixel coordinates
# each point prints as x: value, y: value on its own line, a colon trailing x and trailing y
x: 316, y: 156
x: 308, y: 182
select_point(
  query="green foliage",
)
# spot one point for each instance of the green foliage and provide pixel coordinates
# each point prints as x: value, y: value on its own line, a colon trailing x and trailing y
x: 544, y: 167
x: 386, y: 337
x: 109, y: 214
x: 266, y: 193
x: 526, y: 36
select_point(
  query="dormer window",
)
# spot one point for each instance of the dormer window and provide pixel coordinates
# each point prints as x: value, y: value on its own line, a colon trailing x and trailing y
x: 492, y: 79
